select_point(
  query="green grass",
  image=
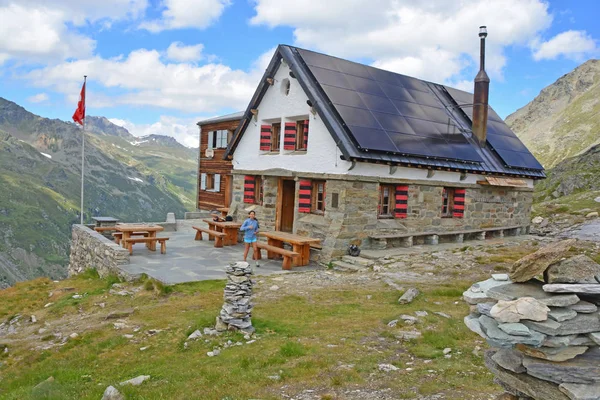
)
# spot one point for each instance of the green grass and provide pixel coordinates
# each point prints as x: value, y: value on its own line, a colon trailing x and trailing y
x: 304, y: 338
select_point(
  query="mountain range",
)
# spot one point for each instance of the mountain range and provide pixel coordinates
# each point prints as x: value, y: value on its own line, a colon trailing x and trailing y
x: 131, y: 178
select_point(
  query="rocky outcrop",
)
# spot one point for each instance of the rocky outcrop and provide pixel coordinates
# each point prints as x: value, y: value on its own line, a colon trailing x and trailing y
x: 546, y: 339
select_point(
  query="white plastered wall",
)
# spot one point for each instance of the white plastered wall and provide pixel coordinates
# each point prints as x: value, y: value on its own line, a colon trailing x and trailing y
x: 322, y: 155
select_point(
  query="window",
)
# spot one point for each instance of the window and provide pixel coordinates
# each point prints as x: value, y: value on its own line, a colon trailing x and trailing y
x: 318, y: 197
x: 210, y: 182
x: 253, y: 193
x: 447, y: 202
x: 218, y: 139
x: 275, y: 136
x: 386, y: 201
x: 285, y: 86
x: 301, y: 134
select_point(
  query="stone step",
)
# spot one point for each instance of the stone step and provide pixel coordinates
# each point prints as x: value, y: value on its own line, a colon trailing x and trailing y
x: 347, y: 267
x: 358, y: 261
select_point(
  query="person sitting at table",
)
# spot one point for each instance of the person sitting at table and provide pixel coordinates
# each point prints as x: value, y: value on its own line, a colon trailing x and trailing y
x: 250, y: 228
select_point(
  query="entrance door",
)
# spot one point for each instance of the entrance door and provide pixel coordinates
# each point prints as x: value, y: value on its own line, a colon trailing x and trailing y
x: 228, y: 189
x: 287, y: 194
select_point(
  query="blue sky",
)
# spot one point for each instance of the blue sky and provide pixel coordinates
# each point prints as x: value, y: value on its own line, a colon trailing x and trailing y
x: 160, y: 66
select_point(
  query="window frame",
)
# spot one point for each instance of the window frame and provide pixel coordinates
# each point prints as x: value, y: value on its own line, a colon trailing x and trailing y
x: 275, y: 138
x: 314, y: 201
x: 210, y: 183
x: 300, y: 135
x: 390, y: 202
x: 217, y: 138
x: 448, y: 194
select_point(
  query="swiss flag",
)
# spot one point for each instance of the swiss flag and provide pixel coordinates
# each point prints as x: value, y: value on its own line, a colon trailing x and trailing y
x: 79, y: 114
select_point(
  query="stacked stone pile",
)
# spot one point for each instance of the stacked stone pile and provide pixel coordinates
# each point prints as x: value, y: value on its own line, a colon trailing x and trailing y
x: 544, y: 333
x: 236, y: 312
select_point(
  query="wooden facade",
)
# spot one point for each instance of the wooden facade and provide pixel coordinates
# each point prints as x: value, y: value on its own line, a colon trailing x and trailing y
x: 213, y: 170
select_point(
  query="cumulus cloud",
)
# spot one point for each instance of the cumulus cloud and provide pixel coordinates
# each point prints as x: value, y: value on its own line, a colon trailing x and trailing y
x: 184, y: 130
x: 33, y: 31
x: 570, y: 44
x: 177, y: 51
x: 434, y: 40
x: 38, y: 98
x: 143, y: 78
x: 180, y: 14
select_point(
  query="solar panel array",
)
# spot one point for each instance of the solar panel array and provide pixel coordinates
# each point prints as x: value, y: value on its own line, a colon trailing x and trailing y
x: 508, y: 146
x: 389, y: 112
x: 393, y: 113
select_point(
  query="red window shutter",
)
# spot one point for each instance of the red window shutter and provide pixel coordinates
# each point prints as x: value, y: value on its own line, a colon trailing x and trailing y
x: 265, y: 137
x: 249, y: 182
x: 289, y: 136
x: 401, y: 201
x: 304, y: 196
x: 459, y: 203
x: 305, y: 134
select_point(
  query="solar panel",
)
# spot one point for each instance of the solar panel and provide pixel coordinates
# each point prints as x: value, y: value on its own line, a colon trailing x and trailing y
x: 394, y: 113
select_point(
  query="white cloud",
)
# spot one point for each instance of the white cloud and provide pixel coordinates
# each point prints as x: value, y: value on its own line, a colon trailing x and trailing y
x: 184, y: 130
x: 38, y: 98
x: 180, y: 14
x: 428, y: 39
x: 33, y: 31
x: 177, y: 51
x: 146, y: 80
x: 570, y: 44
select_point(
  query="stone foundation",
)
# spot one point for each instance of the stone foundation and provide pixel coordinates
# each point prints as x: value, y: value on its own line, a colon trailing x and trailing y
x: 89, y: 249
x: 354, y: 220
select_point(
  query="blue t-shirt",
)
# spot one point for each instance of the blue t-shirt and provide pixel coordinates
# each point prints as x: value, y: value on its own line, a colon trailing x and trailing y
x: 249, y: 227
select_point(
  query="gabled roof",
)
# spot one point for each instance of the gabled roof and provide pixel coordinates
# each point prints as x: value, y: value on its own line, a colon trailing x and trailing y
x: 379, y: 116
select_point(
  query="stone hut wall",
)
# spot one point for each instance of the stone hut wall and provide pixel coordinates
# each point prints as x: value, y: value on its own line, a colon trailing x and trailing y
x: 355, y: 217
x: 89, y: 249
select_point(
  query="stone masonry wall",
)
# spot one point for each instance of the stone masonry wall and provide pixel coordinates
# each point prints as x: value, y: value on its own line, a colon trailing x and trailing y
x: 89, y: 249
x: 355, y: 217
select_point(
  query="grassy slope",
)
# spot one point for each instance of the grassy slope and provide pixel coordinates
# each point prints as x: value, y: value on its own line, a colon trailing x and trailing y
x: 327, y: 340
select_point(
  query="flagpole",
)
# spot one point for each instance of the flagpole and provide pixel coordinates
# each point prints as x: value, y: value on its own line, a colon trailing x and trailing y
x: 83, y: 148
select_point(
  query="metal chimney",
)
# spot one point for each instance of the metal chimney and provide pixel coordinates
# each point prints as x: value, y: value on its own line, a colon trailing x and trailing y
x: 481, y: 94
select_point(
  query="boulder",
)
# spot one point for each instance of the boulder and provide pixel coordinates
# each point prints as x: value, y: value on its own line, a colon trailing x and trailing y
x: 138, y: 380
x: 408, y: 296
x: 582, y: 323
x: 584, y: 368
x: 537, y: 220
x: 556, y: 354
x: 532, y: 288
x: 111, y: 393
x: 528, y: 385
x: 522, y: 308
x: 560, y: 314
x: 593, y: 214
x: 578, y: 269
x: 536, y: 263
x: 583, y: 288
x: 580, y: 392
x: 510, y: 359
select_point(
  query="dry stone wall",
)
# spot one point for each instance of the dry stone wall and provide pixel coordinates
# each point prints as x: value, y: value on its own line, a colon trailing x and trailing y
x: 89, y: 249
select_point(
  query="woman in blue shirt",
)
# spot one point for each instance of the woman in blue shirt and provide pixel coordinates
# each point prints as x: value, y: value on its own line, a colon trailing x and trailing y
x: 250, y: 228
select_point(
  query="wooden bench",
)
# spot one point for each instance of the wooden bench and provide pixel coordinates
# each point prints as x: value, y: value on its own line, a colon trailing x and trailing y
x: 217, y: 235
x: 272, y: 250
x: 119, y: 235
x: 162, y: 240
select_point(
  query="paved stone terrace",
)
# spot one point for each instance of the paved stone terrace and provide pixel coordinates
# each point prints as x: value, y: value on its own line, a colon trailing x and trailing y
x: 188, y: 260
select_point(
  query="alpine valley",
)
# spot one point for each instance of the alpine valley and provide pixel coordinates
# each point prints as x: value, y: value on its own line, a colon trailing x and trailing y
x: 131, y: 178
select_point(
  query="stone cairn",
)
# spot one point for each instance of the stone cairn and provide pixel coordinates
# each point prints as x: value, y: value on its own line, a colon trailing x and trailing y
x: 237, y: 307
x: 545, y: 335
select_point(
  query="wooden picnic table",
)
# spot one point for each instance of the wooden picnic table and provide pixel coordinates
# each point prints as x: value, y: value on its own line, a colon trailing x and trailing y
x: 224, y: 211
x: 300, y: 245
x: 128, y: 229
x: 229, y: 228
